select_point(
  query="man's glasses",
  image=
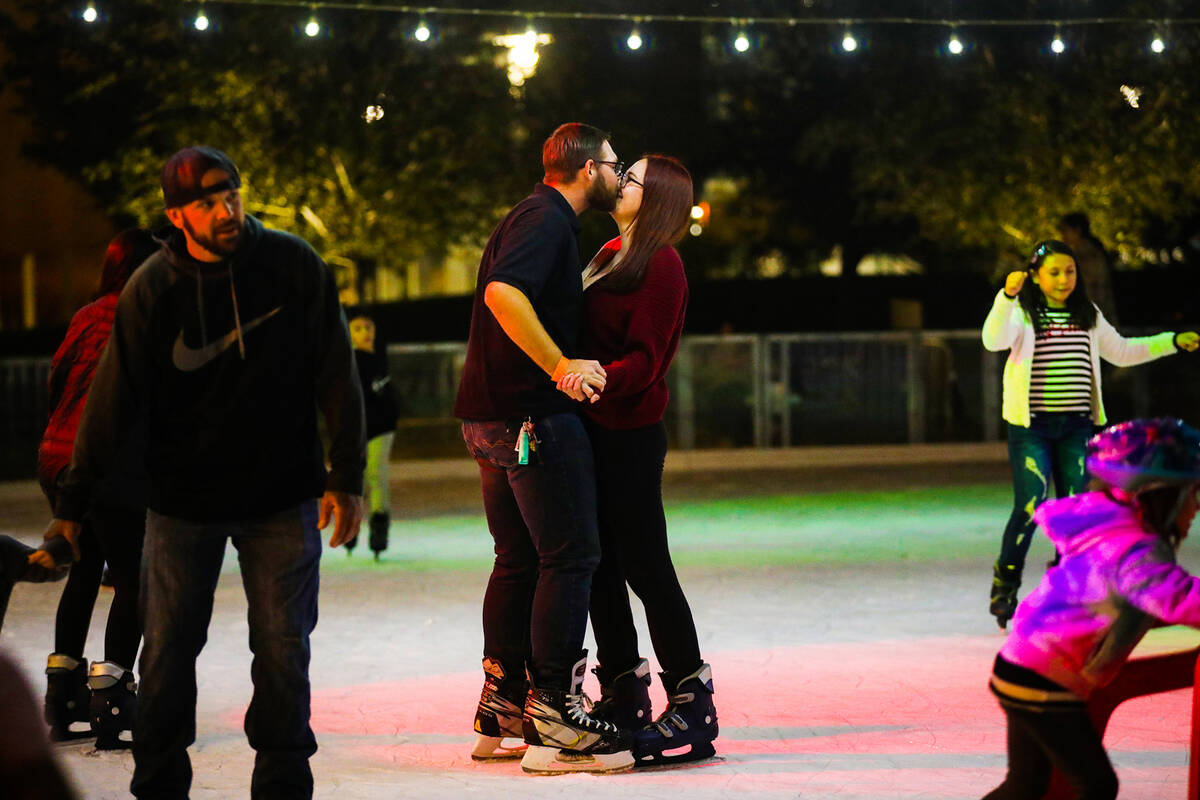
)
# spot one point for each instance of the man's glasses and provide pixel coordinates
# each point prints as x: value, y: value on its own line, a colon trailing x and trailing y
x: 627, y: 179
x: 618, y: 166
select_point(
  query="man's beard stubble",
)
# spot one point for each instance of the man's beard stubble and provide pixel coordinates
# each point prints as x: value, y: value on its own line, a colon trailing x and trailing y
x: 210, y: 243
x: 599, y: 196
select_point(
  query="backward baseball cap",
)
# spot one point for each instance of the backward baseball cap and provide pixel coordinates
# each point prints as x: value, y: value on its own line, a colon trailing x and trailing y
x: 183, y: 172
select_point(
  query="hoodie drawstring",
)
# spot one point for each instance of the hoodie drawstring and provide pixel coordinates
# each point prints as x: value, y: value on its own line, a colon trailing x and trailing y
x: 200, y: 308
x: 237, y: 320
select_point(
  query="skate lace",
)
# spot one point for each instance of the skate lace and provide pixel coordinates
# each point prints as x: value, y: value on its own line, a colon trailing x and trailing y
x: 578, y: 708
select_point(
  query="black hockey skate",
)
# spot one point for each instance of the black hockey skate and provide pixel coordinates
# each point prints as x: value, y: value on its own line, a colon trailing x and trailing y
x: 380, y: 522
x: 690, y: 722
x: 67, y: 697
x: 1006, y: 580
x: 564, y: 738
x: 498, y: 716
x: 114, y: 704
x: 624, y: 699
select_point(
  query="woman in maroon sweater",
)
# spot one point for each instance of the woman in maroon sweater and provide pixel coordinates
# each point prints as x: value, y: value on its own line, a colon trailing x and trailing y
x: 635, y: 298
x: 112, y: 529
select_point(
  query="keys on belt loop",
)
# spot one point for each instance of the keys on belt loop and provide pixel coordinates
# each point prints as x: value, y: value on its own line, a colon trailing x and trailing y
x: 526, y: 441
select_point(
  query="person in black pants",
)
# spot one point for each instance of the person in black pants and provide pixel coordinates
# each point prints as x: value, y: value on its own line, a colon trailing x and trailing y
x: 112, y: 528
x: 635, y: 300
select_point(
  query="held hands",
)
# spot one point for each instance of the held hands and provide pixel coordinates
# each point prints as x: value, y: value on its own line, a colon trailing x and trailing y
x: 573, y: 385
x: 57, y: 528
x: 580, y: 379
x: 1188, y: 340
x: 1014, y: 282
x: 347, y: 512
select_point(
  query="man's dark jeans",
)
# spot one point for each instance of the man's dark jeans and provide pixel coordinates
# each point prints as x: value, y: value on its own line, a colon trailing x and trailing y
x: 279, y: 557
x: 543, y: 519
x: 1051, y: 449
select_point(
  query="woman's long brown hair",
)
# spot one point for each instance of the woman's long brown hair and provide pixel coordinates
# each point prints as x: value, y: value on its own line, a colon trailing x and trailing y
x: 661, y: 221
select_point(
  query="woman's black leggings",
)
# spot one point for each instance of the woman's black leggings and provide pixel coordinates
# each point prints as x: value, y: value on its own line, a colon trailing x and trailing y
x: 633, y: 542
x: 114, y: 535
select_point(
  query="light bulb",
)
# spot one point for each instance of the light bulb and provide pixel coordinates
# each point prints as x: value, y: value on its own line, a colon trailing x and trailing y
x: 1158, y: 45
x: 421, y: 34
x: 1058, y: 45
x: 741, y: 43
x: 90, y: 14
x: 312, y: 28
x: 954, y: 45
x: 201, y: 22
x: 634, y: 41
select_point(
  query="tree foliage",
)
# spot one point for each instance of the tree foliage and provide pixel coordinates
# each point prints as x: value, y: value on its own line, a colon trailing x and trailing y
x: 798, y: 147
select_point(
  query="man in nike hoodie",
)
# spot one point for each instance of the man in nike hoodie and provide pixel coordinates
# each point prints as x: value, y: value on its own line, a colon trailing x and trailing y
x: 226, y: 342
x: 1116, y: 578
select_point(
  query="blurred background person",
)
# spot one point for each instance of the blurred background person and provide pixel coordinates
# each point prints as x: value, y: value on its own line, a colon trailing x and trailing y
x: 113, y: 527
x: 379, y: 400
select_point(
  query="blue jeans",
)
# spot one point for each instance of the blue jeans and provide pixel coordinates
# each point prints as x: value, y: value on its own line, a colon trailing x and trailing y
x: 1052, y: 448
x: 542, y: 517
x: 279, y: 556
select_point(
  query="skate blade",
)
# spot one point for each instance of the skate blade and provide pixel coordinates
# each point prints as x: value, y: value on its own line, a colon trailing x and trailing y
x: 540, y: 760
x: 492, y: 748
x: 703, y: 751
x: 113, y: 743
x: 72, y: 735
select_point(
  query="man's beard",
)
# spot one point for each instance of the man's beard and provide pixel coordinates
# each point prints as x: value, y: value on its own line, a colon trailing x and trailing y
x: 599, y: 196
x: 211, y: 243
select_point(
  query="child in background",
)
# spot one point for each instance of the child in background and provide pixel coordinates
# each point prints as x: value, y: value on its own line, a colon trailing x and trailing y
x: 1052, y: 398
x: 379, y: 401
x: 1116, y: 578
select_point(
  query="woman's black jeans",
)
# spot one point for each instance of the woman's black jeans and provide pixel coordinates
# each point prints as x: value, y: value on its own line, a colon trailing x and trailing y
x: 633, y: 546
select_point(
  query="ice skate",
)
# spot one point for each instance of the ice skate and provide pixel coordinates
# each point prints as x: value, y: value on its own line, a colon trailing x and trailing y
x: 564, y: 738
x: 1006, y: 580
x: 690, y: 722
x: 380, y: 522
x: 113, y: 704
x: 624, y: 699
x: 498, y: 716
x: 67, y: 697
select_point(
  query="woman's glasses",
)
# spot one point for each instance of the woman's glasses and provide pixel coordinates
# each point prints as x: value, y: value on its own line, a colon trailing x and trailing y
x: 627, y: 179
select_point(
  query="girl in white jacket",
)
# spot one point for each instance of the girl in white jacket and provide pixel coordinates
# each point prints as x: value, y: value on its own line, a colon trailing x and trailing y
x: 1052, y: 399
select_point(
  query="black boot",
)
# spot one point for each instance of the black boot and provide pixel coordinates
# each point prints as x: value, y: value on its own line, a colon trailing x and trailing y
x: 563, y: 737
x: 113, y: 705
x: 1006, y: 580
x: 67, y: 696
x: 498, y: 715
x: 379, y: 532
x: 624, y: 699
x: 690, y: 721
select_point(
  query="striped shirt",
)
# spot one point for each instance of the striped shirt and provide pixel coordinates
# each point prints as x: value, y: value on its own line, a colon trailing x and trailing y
x: 1061, y: 379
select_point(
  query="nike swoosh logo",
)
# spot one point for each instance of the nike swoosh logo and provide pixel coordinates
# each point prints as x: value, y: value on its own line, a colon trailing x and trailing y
x: 190, y: 359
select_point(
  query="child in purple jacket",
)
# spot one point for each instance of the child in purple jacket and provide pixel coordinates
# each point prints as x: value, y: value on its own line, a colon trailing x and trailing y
x: 1116, y: 579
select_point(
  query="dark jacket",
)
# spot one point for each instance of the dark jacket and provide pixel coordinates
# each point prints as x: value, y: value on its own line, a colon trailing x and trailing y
x: 227, y: 363
x: 379, y: 396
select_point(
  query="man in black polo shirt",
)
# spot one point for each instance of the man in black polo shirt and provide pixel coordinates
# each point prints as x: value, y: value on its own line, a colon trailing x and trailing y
x: 535, y: 464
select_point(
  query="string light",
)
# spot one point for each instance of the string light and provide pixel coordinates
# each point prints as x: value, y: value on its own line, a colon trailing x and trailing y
x: 742, y: 42
x: 1158, y: 45
x: 954, y: 45
x: 313, y: 28
x: 374, y: 113
x: 422, y: 33
x: 634, y: 42
x: 522, y: 55
x: 849, y: 43
x: 1057, y: 45
x: 201, y: 22
x: 90, y: 14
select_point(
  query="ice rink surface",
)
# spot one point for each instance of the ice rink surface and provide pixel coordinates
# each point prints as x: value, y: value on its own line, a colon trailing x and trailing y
x: 842, y: 605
